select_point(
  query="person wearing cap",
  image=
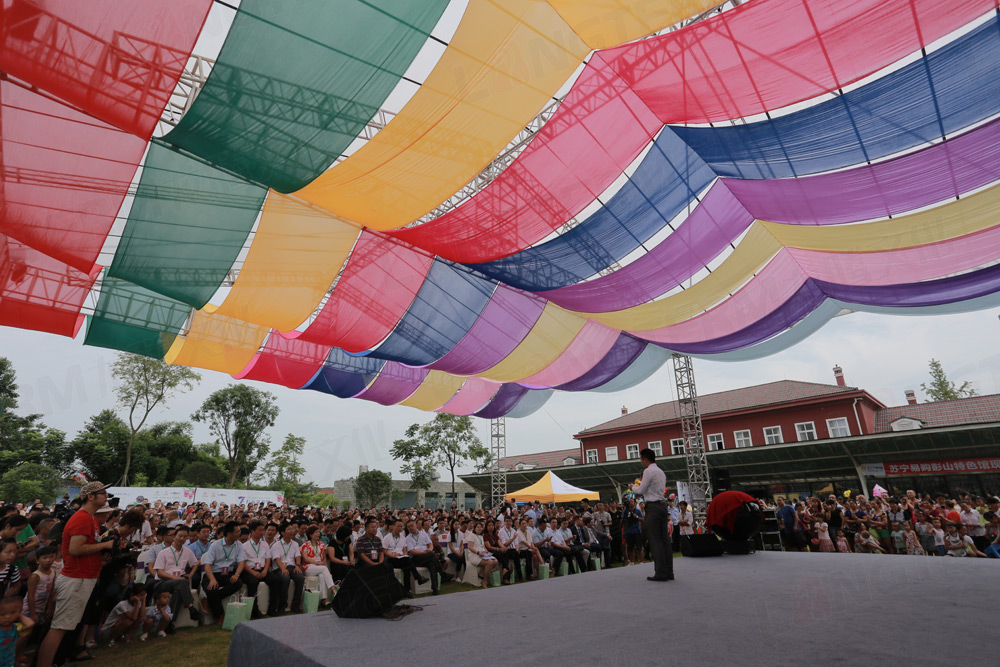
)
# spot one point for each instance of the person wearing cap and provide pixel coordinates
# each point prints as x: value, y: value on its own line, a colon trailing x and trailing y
x: 81, y: 554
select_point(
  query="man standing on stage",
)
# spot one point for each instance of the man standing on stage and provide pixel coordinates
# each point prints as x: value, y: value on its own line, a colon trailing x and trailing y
x: 652, y: 487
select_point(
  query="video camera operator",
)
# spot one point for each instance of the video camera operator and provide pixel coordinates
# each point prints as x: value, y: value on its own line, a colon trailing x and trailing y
x: 117, y: 564
x: 81, y: 553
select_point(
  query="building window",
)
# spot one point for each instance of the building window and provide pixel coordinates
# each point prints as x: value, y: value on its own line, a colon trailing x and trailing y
x: 632, y: 451
x: 743, y: 438
x: 715, y: 442
x: 610, y: 453
x: 677, y: 445
x: 657, y: 447
x: 838, y: 428
x: 772, y: 435
x: 591, y: 456
x: 569, y: 461
x: 805, y: 431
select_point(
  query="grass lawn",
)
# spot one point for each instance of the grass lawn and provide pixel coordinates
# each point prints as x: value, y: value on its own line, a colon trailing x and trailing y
x: 197, y: 647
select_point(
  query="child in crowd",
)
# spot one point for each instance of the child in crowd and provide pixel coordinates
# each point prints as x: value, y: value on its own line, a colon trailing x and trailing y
x: 12, y: 632
x: 126, y: 617
x: 39, y: 603
x: 823, y: 535
x: 10, y: 574
x: 157, y: 616
x: 938, y: 538
x: 868, y: 544
x: 842, y: 545
x: 912, y: 541
x: 898, y: 539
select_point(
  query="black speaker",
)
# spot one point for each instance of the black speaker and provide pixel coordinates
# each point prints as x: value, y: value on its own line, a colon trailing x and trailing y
x: 696, y: 546
x: 366, y: 592
x: 719, y: 478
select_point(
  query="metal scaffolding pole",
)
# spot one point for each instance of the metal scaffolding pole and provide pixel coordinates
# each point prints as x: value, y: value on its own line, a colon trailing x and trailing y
x: 699, y: 482
x: 498, y: 452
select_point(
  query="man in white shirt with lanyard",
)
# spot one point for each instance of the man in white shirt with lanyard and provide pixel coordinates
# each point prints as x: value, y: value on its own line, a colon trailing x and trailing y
x: 396, y: 556
x: 421, y: 552
x: 652, y: 487
x: 509, y: 540
x: 223, y: 563
x: 257, y: 555
x: 285, y: 553
x: 174, y: 568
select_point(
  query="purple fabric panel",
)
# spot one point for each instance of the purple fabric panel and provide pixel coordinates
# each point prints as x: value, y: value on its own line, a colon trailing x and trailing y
x: 812, y: 293
x: 718, y: 220
x: 621, y: 355
x: 919, y: 179
x: 510, y: 395
x: 394, y: 384
x: 503, y: 324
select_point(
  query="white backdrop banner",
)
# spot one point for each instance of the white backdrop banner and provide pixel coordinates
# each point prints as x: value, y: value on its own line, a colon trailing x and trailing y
x: 237, y: 496
x: 189, y: 494
x: 168, y: 494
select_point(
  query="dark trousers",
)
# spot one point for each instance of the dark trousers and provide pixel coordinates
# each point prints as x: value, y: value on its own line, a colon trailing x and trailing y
x: 278, y: 583
x: 514, y: 562
x: 252, y: 583
x: 406, y: 565
x: 224, y: 590
x: 457, y: 560
x: 431, y: 562
x: 546, y: 553
x: 576, y: 553
x: 657, y: 527
x: 596, y: 549
x: 180, y: 593
x: 616, y: 547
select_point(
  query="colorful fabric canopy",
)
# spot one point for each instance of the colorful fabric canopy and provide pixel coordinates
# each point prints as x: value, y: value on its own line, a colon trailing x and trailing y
x: 720, y: 190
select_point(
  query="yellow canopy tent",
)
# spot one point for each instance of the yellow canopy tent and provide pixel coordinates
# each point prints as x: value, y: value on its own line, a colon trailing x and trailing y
x: 551, y: 489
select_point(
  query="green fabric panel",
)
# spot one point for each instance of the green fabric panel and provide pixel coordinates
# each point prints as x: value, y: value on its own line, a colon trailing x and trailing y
x: 133, y: 319
x: 187, y: 224
x: 296, y: 82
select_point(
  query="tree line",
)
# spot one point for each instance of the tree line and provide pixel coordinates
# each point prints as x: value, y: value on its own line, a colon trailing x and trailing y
x: 120, y: 447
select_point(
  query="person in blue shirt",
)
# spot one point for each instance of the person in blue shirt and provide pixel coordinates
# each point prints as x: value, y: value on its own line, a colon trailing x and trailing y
x: 633, y: 520
x: 791, y: 531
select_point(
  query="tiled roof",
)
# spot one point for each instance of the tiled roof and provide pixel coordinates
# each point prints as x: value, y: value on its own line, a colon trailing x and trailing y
x: 542, y: 459
x: 744, y: 398
x: 974, y: 410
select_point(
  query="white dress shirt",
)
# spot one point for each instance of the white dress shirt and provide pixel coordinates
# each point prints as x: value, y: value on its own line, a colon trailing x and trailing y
x: 419, y: 542
x: 506, y: 535
x: 395, y: 547
x: 256, y: 554
x: 653, y: 484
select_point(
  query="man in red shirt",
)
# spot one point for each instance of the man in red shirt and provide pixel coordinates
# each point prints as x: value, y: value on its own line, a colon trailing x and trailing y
x: 81, y: 565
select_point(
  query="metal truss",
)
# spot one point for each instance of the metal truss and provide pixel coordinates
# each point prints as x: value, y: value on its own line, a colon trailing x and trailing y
x: 498, y: 452
x: 699, y: 481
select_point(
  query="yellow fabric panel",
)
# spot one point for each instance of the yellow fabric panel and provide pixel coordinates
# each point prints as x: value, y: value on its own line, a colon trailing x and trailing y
x: 606, y: 23
x: 553, y: 332
x: 505, y: 61
x: 436, y: 390
x: 295, y: 256
x: 217, y: 343
x: 764, y: 239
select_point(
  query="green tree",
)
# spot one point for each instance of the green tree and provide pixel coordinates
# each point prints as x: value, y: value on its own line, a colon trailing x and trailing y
x: 144, y: 384
x: 29, y: 481
x: 202, y: 473
x: 418, y: 455
x: 941, y: 388
x: 447, y: 440
x: 170, y: 449
x: 284, y: 466
x: 100, y: 446
x: 237, y: 416
x: 25, y: 439
x: 372, y: 487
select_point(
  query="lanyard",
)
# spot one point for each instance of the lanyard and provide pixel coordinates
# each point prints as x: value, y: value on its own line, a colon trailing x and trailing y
x: 177, y: 557
x: 227, y: 554
x: 284, y: 548
x: 256, y: 549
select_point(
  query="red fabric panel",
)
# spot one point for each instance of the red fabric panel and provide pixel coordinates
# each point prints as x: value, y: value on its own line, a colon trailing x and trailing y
x: 594, y: 135
x: 769, y: 54
x: 40, y: 293
x: 118, y: 61
x: 65, y: 175
x: 287, y: 361
x: 378, y: 284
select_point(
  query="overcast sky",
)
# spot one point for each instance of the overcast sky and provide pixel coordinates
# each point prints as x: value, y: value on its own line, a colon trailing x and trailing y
x: 68, y: 382
x: 886, y: 355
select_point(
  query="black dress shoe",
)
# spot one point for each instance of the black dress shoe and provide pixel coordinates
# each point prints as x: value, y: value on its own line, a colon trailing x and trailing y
x: 659, y: 578
x: 408, y: 595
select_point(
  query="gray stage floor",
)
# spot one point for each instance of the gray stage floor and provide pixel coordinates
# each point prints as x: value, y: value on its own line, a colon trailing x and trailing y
x: 761, y: 609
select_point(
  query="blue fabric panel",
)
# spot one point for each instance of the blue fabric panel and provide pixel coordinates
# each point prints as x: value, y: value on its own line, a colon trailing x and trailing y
x: 345, y: 375
x: 505, y: 400
x: 531, y: 403
x: 667, y: 180
x: 951, y: 89
x: 621, y: 355
x: 445, y: 308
